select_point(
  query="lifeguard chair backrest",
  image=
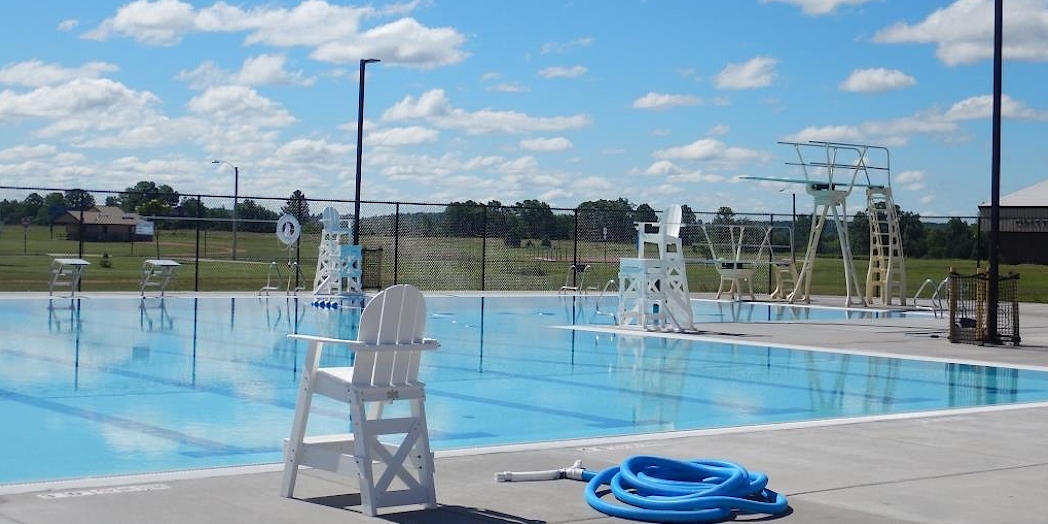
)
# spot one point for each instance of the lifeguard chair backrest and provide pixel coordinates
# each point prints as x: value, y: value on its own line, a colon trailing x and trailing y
x: 395, y: 316
x: 329, y: 218
x: 671, y: 222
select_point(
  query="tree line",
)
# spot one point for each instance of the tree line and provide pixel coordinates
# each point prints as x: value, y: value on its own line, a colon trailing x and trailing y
x: 516, y: 224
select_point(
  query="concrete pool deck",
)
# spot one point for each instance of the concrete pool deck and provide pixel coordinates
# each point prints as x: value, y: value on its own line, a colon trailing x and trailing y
x: 977, y: 466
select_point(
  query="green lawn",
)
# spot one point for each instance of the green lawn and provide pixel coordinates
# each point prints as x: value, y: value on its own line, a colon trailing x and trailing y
x: 431, y: 263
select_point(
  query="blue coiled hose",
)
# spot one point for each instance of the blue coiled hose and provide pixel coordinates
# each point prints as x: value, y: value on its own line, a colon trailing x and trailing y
x: 657, y: 489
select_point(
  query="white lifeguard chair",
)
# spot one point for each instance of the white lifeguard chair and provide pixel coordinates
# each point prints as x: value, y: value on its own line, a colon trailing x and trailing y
x: 339, y: 264
x: 653, y: 293
x: 387, y: 350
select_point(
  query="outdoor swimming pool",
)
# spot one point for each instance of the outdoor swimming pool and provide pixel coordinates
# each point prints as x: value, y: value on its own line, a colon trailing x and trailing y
x: 113, y: 386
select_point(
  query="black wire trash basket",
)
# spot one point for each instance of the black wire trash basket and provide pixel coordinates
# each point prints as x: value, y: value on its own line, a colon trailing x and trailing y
x: 969, y: 309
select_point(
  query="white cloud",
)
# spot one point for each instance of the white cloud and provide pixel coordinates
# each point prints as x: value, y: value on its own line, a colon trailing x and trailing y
x: 963, y: 31
x: 402, y: 136
x: 754, y: 73
x: 162, y: 22
x: 661, y: 167
x: 269, y: 70
x: 34, y: 73
x: 256, y: 71
x: 508, y: 87
x: 312, y: 152
x: 978, y: 107
x: 911, y: 180
x: 332, y: 31
x: 563, y: 72
x: 241, y: 106
x: 432, y: 103
x: 554, y: 47
x: 876, y: 80
x: 434, y: 107
x: 718, y: 130
x: 546, y: 144
x: 81, y: 97
x: 67, y: 25
x: 709, y: 149
x: 826, y: 134
x: 665, y: 101
x: 818, y: 7
x: 403, y: 42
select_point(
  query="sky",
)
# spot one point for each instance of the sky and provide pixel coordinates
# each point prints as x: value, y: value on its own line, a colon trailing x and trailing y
x: 565, y: 101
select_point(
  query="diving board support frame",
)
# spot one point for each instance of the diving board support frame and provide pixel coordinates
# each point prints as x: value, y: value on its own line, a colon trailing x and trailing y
x: 830, y: 196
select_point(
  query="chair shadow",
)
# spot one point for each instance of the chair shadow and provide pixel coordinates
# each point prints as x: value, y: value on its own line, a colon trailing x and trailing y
x: 443, y: 513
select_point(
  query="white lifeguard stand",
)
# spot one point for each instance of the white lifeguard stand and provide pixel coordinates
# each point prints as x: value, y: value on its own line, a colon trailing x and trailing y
x: 653, y: 292
x: 340, y: 264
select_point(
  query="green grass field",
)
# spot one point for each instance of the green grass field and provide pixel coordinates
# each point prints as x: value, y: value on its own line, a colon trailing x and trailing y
x: 431, y: 263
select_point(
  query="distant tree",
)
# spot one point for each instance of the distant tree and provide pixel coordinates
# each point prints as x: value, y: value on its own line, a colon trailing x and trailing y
x: 955, y: 239
x: 725, y: 215
x: 537, y: 218
x: 606, y: 220
x: 255, y: 217
x: 859, y: 234
x: 53, y: 206
x: 689, y: 231
x: 133, y: 197
x: 297, y: 206
x: 464, y: 219
x: 912, y: 230
x: 77, y: 199
x: 11, y: 211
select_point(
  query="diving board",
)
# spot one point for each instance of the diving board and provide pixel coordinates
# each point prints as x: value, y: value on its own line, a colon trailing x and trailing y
x: 830, y: 183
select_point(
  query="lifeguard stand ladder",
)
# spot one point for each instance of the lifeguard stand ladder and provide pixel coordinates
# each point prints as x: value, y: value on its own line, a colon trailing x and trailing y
x: 886, y: 277
x: 830, y: 182
x: 339, y: 264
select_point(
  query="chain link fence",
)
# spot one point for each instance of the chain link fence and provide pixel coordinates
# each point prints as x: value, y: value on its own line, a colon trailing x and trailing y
x: 229, y: 243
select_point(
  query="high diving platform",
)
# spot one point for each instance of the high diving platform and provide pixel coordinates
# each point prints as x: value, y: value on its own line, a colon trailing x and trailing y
x: 832, y: 170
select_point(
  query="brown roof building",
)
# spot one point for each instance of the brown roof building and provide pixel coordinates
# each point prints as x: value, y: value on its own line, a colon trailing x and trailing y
x: 102, y: 224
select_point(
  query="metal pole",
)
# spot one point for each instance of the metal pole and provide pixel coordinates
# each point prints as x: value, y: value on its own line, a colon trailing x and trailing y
x: 236, y: 191
x: 360, y: 145
x: 992, y: 335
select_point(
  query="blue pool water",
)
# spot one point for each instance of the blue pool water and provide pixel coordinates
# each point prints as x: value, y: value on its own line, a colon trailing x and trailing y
x: 107, y: 386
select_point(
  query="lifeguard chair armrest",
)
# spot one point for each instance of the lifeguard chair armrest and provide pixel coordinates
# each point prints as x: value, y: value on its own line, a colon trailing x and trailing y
x: 424, y: 344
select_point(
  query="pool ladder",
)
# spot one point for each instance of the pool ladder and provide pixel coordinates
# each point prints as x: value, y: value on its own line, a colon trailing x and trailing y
x: 603, y: 291
x: 935, y: 300
x: 274, y: 269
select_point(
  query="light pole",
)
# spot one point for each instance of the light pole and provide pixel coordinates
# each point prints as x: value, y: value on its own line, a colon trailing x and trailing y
x: 236, y: 190
x: 360, y: 144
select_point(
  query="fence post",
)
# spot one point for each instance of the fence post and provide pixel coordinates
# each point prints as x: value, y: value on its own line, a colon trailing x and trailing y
x: 483, y: 247
x: 396, y: 241
x: 196, y: 262
x: 575, y: 250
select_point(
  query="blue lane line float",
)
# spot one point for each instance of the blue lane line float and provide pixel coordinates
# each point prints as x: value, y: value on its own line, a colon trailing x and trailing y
x: 326, y: 304
x: 657, y: 489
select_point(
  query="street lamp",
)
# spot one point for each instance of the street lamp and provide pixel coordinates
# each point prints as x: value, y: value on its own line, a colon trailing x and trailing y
x: 236, y: 190
x: 360, y: 145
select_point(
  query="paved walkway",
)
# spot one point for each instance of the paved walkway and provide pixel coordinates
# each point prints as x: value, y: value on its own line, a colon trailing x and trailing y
x: 971, y: 466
